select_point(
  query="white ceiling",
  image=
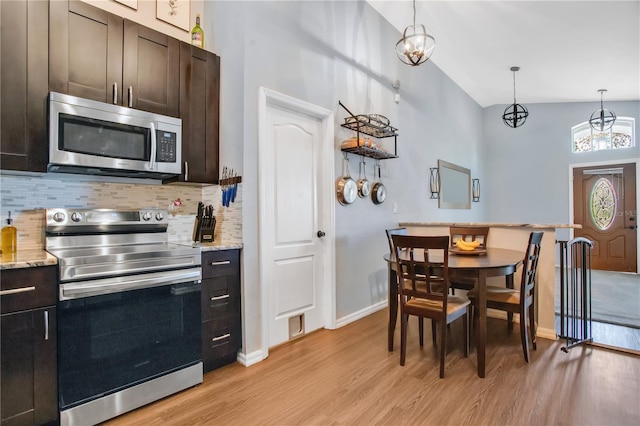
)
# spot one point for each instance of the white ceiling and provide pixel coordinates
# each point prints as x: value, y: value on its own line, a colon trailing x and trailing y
x: 566, y: 50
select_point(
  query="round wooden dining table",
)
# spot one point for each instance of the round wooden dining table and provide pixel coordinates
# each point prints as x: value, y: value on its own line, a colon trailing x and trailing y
x: 494, y: 263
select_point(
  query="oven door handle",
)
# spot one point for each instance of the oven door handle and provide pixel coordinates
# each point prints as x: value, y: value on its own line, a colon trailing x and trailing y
x: 99, y: 287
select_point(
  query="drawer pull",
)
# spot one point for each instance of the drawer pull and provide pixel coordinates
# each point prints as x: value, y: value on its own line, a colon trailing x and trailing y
x: 17, y: 290
x: 46, y: 325
x: 224, y: 336
x: 222, y: 262
x: 224, y: 296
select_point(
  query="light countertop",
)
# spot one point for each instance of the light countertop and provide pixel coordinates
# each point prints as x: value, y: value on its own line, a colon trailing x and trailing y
x: 26, y: 259
x: 34, y: 258
x: 216, y: 245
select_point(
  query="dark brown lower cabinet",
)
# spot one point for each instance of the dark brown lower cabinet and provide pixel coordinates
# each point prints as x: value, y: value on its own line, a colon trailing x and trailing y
x: 221, y: 320
x: 28, y: 347
x: 29, y: 367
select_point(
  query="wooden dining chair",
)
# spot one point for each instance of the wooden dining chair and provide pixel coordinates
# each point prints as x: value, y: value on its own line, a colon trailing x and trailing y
x: 403, y: 231
x: 426, y: 295
x: 520, y: 300
x: 467, y: 233
x: 391, y: 233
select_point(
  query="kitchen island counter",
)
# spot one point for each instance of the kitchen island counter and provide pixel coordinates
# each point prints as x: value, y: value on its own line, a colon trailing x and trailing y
x: 496, y: 225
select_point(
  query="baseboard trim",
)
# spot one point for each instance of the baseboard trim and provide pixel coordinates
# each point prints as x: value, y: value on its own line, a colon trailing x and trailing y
x: 251, y: 358
x: 341, y: 322
x: 544, y: 333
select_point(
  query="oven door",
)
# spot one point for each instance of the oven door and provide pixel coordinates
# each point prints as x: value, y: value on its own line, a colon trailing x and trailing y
x: 113, y: 341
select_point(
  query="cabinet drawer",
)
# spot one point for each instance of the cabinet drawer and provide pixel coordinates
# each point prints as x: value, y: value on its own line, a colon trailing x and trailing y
x: 220, y: 297
x: 221, y: 340
x: 28, y: 288
x: 220, y: 263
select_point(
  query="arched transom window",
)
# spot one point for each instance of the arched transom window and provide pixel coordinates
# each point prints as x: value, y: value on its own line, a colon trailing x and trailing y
x: 620, y: 135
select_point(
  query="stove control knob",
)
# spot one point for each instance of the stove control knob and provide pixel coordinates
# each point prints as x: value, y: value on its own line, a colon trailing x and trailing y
x: 146, y: 216
x: 76, y: 216
x: 159, y: 216
x: 59, y: 217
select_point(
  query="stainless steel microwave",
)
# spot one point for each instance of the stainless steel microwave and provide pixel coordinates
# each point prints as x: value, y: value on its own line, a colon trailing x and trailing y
x: 91, y: 137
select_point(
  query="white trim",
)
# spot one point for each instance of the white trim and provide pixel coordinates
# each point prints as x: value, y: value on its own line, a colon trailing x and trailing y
x: 249, y: 359
x: 361, y: 314
x: 546, y: 333
x: 270, y: 97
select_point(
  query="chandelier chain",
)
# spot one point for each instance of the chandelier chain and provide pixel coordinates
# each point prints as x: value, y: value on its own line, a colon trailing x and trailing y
x: 414, y: 13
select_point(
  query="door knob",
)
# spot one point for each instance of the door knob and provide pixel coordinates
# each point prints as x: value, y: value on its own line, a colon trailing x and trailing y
x: 320, y: 234
x: 631, y: 227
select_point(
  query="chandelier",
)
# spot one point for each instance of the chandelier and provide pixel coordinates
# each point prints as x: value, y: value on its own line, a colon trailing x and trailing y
x: 515, y: 115
x: 602, y: 119
x: 416, y: 45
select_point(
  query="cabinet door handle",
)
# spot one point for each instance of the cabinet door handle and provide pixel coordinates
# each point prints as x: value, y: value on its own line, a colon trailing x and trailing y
x: 186, y: 170
x: 224, y: 296
x: 224, y: 336
x: 115, y: 93
x: 222, y: 262
x: 17, y: 290
x: 46, y: 325
x: 130, y: 91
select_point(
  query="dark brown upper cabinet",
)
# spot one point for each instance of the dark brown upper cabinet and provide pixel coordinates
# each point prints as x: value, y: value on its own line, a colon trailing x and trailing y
x: 199, y: 110
x: 96, y: 55
x: 23, y: 85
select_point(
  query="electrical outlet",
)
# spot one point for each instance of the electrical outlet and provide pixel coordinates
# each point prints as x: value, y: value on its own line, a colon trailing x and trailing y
x: 395, y: 208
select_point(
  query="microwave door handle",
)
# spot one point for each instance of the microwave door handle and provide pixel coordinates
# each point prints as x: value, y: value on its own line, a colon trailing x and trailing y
x: 152, y: 160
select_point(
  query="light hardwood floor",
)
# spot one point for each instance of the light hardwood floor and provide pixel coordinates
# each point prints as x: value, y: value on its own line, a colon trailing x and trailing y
x: 348, y: 377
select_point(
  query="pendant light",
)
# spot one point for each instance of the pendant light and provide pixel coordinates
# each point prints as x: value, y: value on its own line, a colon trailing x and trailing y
x: 416, y: 45
x: 602, y: 119
x: 515, y: 115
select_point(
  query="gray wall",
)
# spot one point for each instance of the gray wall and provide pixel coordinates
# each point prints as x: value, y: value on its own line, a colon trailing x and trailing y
x: 323, y: 52
x: 527, y: 169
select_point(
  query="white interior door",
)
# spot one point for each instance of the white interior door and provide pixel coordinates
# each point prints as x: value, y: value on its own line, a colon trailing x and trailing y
x: 293, y: 253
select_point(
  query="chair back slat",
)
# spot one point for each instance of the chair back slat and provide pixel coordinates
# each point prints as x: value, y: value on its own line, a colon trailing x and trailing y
x: 469, y: 233
x: 530, y: 266
x: 414, y: 267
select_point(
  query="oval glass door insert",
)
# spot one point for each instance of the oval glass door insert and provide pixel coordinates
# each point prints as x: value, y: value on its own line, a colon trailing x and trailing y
x: 604, y: 203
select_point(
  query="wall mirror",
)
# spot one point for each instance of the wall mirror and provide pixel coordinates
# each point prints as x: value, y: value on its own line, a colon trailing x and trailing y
x: 455, y: 186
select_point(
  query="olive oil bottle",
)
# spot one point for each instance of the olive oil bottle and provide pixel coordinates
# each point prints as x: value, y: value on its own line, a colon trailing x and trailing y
x: 9, y: 237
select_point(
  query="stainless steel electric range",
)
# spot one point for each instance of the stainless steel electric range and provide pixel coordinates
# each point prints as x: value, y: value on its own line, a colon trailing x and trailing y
x: 128, y: 312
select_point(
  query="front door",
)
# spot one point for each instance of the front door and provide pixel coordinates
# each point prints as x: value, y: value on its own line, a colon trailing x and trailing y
x: 293, y: 210
x: 605, y: 206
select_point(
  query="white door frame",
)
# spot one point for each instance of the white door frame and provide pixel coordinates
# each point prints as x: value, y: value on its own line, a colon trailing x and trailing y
x: 606, y: 163
x: 326, y: 216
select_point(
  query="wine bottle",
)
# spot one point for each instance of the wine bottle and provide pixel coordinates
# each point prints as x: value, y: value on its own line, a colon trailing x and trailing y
x: 197, y: 35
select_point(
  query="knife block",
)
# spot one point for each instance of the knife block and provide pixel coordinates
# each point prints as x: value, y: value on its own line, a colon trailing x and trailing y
x: 203, y: 230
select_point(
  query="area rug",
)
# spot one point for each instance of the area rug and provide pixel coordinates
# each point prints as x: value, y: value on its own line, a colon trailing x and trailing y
x: 615, y: 297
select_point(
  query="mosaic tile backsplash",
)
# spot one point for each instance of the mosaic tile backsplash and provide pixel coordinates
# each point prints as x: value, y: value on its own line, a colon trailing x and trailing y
x: 27, y: 198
